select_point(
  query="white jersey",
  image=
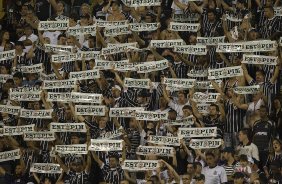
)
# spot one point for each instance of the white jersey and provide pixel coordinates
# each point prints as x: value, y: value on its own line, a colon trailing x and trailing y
x: 216, y: 175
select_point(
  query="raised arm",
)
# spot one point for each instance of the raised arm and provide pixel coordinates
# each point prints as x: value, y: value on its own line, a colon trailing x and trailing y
x: 61, y: 163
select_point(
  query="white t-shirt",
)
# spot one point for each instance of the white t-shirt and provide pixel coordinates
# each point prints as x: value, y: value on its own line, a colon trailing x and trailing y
x: 250, y: 150
x: 32, y: 38
x: 216, y: 175
x: 178, y: 108
x: 53, y: 36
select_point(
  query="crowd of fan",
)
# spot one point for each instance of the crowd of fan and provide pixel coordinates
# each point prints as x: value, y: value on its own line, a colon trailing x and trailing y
x: 249, y: 125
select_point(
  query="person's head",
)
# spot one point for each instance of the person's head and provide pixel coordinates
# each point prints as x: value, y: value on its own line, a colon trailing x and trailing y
x: 181, y: 97
x: 91, y: 41
x: 150, y: 57
x: 37, y: 105
x: 269, y: 3
x: 162, y: 102
x: 187, y: 110
x: 84, y: 20
x: 142, y: 97
x: 113, y: 161
x: 4, y: 69
x: 198, y: 167
x: 187, y: 178
x: 257, y: 96
x: 268, y: 12
x: 132, y: 123
x: 24, y: 10
x: 277, y: 145
x: 85, y: 9
x: 116, y: 91
x: 263, y: 111
x: 73, y: 18
x: 19, y: 170
x: 172, y: 114
x: 192, y: 39
x: 102, y: 122
x: 190, y: 169
x: 70, y: 40
x: 228, y: 153
x: 74, y: 138
x: 253, y: 34
x: 243, y: 160
x: 19, y: 46
x: 115, y: 6
x: 4, y: 36
x: 213, y: 110
x: 148, y: 18
x: 77, y: 165
x: 277, y: 103
x: 155, y: 179
x: 60, y: 7
x: 238, y: 178
x: 244, y: 135
x: 18, y: 79
x: 47, y: 180
x: 211, y: 159
x: 200, y: 179
x: 211, y: 15
x: 241, y: 4
x: 260, y: 76
x: 62, y: 39
x: 28, y: 30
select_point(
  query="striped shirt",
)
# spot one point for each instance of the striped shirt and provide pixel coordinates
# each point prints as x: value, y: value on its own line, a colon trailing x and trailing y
x: 234, y: 117
x: 230, y: 169
x: 112, y: 175
x: 180, y: 69
x: 77, y: 178
x: 270, y: 26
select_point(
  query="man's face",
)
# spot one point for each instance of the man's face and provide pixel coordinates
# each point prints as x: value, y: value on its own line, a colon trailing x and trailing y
x: 60, y: 7
x: 259, y: 77
x: 186, y: 179
x: 242, y: 136
x: 210, y: 160
x: 181, y: 97
x: 263, y: 112
x: 213, y: 111
x: 186, y: 112
x: 267, y: 13
x: 18, y: 170
x: 190, y: 169
x: 24, y: 10
x: 148, y: 19
x: 211, y: 16
x: 91, y: 43
x: 74, y: 140
x: 112, y: 163
x: 62, y: 41
x: 17, y: 81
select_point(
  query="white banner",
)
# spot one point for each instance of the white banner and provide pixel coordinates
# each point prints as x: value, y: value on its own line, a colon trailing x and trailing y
x: 227, y: 72
x: 58, y: 48
x: 5, y: 77
x: 112, y: 134
x: 25, y: 89
x: 93, y: 110
x: 140, y: 165
x: 105, y: 145
x: 205, y: 143
x: 17, y: 130
x: 166, y: 43
x: 206, y: 84
x: 83, y: 75
x: 232, y: 18
x: 278, y: 11
x: 188, y: 121
x: 86, y: 97
x: 125, y: 112
x: 259, y: 59
x: 88, y: 30
x: 62, y: 58
x: 176, y: 26
x: 210, y: 40
x: 248, y: 46
x: 32, y: 96
x: 152, y: 66
x: 155, y: 150
x: 58, y: 97
x: 150, y: 115
x: 102, y: 23
x: 67, y: 127
x: 203, y: 108
x: 197, y: 132
x: 124, y: 67
x: 191, y: 49
x: 117, y: 48
x: 44, y: 168
x: 72, y: 149
x: 179, y: 83
x: 88, y: 55
x: 55, y: 84
x: 184, y: 17
x: 164, y: 140
x: 14, y: 110
x: 247, y: 89
x: 10, y: 155
x: 39, y: 136
x: 140, y: 27
x: 37, y: 68
x: 137, y: 83
x: 41, y: 114
x: 205, y: 98
x: 6, y: 55
x: 107, y: 65
x: 53, y: 25
x: 117, y: 30
x: 197, y: 73
x: 138, y: 3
